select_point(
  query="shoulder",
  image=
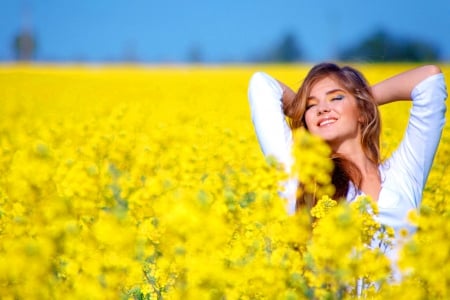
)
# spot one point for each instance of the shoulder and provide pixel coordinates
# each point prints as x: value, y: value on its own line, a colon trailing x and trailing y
x: 263, y: 80
x: 433, y: 81
x: 263, y: 87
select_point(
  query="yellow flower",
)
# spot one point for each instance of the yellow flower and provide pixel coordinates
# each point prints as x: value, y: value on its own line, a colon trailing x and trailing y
x: 149, y: 182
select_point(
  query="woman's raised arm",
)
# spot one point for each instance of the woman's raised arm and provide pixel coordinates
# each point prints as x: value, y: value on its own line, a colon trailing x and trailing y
x: 265, y: 95
x: 399, y: 87
x: 267, y: 98
x: 287, y: 98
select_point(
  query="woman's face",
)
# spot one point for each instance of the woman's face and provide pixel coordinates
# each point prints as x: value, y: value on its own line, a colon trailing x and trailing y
x: 332, y: 113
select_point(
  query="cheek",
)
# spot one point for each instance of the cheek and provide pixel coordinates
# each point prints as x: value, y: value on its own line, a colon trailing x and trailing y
x: 308, y: 119
x: 358, y: 116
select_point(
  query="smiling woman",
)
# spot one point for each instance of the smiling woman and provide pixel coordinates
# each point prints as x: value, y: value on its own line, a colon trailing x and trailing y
x: 342, y: 101
x: 339, y: 106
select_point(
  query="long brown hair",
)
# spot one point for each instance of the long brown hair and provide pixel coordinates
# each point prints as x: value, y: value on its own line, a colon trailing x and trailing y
x: 353, y: 81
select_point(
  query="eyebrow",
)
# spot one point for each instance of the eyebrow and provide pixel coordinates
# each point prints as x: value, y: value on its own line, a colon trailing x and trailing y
x: 328, y: 93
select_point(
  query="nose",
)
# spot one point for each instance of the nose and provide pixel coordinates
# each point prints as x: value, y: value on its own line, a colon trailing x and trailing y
x: 323, y: 108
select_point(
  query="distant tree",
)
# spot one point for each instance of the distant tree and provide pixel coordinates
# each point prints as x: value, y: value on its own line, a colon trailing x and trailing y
x: 129, y: 53
x: 382, y: 46
x: 24, y: 45
x: 195, y: 54
x: 286, y: 50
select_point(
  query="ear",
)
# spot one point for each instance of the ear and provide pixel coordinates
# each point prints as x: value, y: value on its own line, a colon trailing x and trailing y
x: 361, y: 119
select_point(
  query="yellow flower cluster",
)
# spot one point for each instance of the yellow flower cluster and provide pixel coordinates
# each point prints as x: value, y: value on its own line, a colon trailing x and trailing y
x: 340, y: 258
x: 148, y: 183
x: 311, y: 166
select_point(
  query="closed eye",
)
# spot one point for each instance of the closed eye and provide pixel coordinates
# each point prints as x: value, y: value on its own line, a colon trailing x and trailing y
x: 338, y: 97
x: 310, y: 104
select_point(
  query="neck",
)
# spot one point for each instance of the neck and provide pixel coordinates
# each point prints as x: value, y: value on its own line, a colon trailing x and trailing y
x: 355, y: 153
x: 370, y: 176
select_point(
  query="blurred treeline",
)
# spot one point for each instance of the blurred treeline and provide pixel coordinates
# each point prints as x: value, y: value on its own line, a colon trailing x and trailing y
x: 379, y: 46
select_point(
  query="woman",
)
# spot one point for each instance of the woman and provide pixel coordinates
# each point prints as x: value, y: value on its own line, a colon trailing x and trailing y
x: 338, y: 105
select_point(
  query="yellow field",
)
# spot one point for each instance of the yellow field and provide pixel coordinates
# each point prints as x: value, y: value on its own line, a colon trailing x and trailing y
x: 148, y: 183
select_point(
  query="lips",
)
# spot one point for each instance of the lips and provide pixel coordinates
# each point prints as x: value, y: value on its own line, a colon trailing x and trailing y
x: 326, y: 121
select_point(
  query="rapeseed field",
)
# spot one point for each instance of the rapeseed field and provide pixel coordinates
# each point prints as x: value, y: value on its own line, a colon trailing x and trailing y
x: 147, y: 182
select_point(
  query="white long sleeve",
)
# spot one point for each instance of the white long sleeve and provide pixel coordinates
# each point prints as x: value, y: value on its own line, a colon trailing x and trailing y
x: 405, y: 173
x: 273, y: 132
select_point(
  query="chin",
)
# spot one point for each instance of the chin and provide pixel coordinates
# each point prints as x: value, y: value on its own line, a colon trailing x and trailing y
x: 326, y: 137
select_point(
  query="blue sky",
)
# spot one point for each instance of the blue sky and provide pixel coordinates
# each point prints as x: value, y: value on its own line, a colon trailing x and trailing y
x: 166, y: 30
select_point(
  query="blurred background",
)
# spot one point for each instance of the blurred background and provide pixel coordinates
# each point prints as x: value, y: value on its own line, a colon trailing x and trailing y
x: 207, y: 31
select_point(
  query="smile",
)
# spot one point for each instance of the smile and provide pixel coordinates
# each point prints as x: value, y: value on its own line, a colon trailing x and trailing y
x: 325, y: 122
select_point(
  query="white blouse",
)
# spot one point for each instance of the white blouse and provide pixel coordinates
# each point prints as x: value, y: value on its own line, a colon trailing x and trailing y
x: 403, y: 175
